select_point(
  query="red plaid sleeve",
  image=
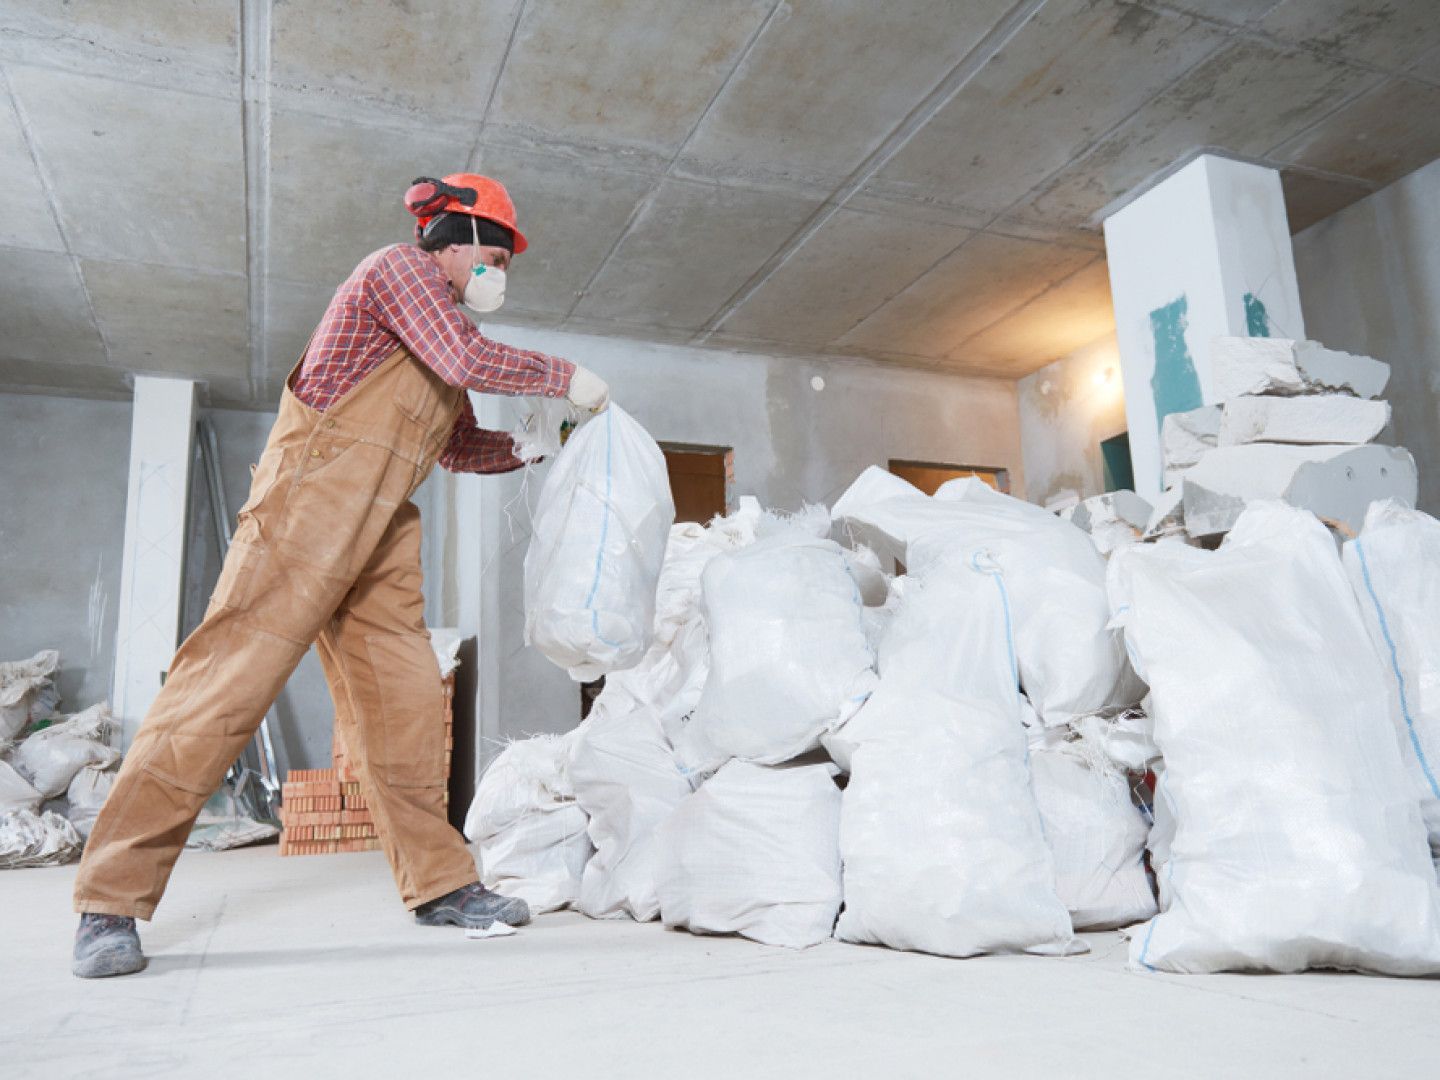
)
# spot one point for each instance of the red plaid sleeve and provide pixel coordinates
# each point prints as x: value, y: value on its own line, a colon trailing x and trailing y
x: 413, y: 300
x: 474, y: 449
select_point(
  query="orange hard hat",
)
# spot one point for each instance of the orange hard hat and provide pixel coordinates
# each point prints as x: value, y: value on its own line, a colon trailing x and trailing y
x: 463, y: 193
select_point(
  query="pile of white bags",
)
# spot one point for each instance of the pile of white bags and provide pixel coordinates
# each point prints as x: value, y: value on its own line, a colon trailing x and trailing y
x: 1070, y: 663
x: 1394, y: 567
x: 1298, y: 840
x: 599, y: 537
x: 529, y: 829
x: 1097, y: 836
x: 26, y: 692
x: 940, y: 835
x: 789, y: 658
x: 756, y: 852
x: 50, y: 758
x: 628, y: 782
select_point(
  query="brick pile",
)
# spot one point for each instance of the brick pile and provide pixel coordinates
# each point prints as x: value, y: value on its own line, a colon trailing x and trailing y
x: 323, y: 811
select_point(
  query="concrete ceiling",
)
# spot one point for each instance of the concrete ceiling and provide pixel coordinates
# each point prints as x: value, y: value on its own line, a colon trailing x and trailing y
x: 919, y: 182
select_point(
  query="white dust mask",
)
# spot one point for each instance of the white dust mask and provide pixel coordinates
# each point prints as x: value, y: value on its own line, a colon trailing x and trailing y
x: 485, y: 291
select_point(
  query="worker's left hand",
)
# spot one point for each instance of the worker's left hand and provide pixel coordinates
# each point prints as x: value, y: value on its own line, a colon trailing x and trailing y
x: 587, y: 390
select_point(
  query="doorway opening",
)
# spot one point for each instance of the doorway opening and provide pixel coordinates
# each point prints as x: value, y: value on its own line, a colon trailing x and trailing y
x: 929, y: 475
x: 1118, y: 467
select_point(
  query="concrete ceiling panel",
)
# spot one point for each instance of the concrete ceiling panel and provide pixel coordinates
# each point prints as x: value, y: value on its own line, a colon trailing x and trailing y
x: 1072, y: 313
x: 1380, y: 137
x: 851, y: 266
x: 1234, y: 12
x: 1072, y: 72
x: 292, y: 312
x: 691, y: 248
x: 826, y: 83
x: 986, y: 279
x: 80, y: 380
x: 193, y: 44
x: 336, y: 190
x: 571, y: 213
x: 1310, y: 197
x: 138, y: 172
x: 43, y: 310
x: 439, y: 57
x: 184, y: 322
x: 232, y: 394
x: 1245, y: 99
x: 638, y: 73
x: 1390, y: 34
x: 25, y: 216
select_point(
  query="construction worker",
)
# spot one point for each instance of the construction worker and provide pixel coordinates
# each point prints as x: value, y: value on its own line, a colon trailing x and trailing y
x: 327, y: 550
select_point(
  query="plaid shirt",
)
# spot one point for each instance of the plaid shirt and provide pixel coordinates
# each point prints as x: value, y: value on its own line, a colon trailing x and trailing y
x: 400, y: 296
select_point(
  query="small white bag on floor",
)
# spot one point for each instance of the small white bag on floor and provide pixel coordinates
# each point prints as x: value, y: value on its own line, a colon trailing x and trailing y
x: 756, y: 852
x: 530, y: 831
x: 788, y: 652
x: 1298, y: 840
x: 598, y: 543
x: 17, y: 793
x: 87, y: 794
x: 1097, y: 836
x: 1394, y: 567
x: 939, y: 831
x: 628, y: 781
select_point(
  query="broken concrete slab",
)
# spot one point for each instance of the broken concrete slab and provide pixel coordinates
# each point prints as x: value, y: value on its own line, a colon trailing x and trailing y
x: 1336, y: 483
x: 1185, y: 437
x: 1113, y: 519
x: 1168, y: 517
x: 1242, y: 366
x: 1312, y: 419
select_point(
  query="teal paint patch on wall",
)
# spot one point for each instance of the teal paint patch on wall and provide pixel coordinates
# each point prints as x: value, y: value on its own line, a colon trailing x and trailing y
x: 1257, y: 319
x: 1174, y: 384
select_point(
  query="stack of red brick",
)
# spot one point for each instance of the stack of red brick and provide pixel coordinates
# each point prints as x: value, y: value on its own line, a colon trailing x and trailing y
x: 323, y: 811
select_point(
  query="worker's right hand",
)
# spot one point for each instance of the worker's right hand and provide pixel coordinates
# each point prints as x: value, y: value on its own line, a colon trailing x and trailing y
x: 587, y: 390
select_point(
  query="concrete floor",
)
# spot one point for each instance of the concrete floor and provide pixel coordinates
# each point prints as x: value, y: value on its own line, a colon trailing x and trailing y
x: 308, y: 967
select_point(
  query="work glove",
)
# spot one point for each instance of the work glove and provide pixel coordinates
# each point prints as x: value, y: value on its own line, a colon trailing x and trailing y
x: 587, y: 390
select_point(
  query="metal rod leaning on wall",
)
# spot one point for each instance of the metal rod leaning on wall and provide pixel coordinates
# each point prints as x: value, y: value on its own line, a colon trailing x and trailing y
x: 258, y: 762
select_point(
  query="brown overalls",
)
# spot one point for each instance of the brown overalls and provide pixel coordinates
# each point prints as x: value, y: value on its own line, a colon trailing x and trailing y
x: 327, y: 547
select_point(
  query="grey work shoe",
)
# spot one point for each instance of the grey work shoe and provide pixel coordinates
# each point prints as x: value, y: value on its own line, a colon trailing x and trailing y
x: 473, y: 907
x: 106, y: 945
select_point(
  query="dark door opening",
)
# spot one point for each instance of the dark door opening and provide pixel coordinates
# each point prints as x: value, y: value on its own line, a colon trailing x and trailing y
x: 1119, y: 469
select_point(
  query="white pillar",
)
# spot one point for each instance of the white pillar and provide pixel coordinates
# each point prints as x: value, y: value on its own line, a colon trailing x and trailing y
x: 153, y: 560
x: 1206, y: 252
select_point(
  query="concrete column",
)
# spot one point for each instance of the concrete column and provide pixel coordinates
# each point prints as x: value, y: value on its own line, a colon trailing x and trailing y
x: 1206, y: 252
x: 152, y: 566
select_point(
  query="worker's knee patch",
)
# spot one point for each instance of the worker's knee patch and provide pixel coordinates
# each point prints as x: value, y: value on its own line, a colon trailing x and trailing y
x: 405, y: 743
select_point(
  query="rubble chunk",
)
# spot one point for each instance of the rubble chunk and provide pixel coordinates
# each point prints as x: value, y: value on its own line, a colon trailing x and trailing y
x: 1186, y: 437
x: 1113, y: 519
x: 1313, y: 419
x: 1336, y: 483
x: 1246, y: 365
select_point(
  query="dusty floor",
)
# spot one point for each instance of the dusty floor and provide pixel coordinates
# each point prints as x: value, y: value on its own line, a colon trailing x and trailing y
x: 308, y: 967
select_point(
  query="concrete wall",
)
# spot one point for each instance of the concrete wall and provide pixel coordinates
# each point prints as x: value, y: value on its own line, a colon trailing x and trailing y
x: 793, y: 444
x: 1370, y: 283
x: 63, y: 468
x: 1066, y: 409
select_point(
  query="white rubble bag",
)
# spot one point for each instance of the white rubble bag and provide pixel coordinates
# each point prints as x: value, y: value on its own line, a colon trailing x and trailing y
x: 529, y: 829
x: 1097, y: 836
x: 22, y: 683
x: 627, y: 780
x: 939, y: 832
x: 17, y: 793
x: 1070, y: 663
x: 51, y: 757
x: 1298, y: 841
x: 1394, y: 567
x: 756, y: 852
x: 87, y: 794
x: 595, y: 553
x: 788, y: 653
x: 34, y: 839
